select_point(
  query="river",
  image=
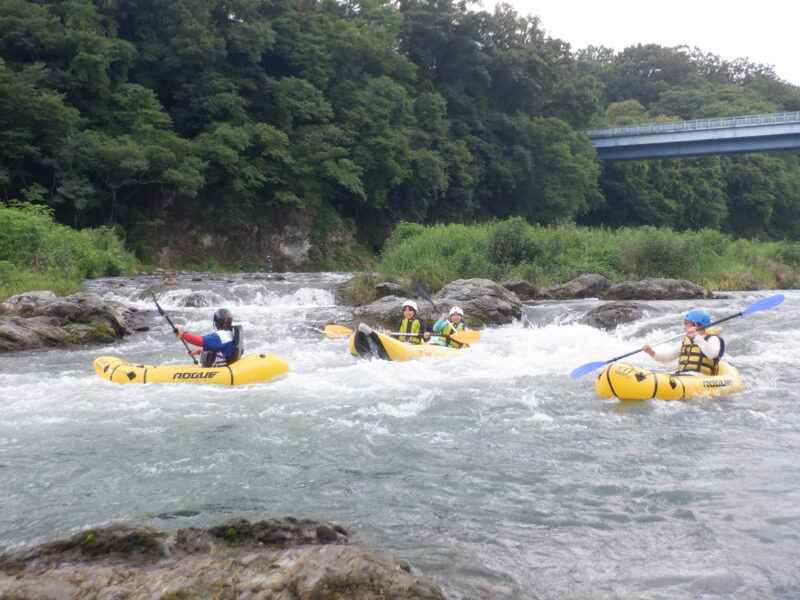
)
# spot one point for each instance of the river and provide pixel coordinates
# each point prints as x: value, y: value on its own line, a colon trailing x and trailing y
x: 493, y: 472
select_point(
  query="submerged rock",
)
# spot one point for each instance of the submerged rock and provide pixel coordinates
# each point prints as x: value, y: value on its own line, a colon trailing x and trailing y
x: 611, y: 314
x: 274, y: 559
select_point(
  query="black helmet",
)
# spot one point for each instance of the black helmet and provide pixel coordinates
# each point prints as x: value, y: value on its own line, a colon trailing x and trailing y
x: 223, y: 319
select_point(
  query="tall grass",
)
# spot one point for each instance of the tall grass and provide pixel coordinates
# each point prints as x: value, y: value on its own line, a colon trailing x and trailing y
x: 550, y: 255
x: 37, y: 253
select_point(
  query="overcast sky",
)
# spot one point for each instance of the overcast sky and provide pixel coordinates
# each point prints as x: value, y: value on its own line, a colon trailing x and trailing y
x: 764, y: 32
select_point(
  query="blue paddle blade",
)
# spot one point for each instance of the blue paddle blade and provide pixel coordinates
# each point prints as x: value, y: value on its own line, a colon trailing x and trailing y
x: 763, y: 304
x: 587, y: 368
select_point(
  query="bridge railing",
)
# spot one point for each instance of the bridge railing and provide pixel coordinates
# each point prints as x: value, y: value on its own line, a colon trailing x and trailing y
x: 695, y: 125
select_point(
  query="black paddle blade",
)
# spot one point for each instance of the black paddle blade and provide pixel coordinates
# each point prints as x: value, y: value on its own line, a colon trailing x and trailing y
x: 422, y: 291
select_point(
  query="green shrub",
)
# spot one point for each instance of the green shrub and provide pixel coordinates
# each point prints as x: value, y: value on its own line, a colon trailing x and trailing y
x: 550, y: 255
x: 404, y: 231
x: 38, y: 253
x: 508, y: 242
x: 789, y: 253
x: 659, y: 252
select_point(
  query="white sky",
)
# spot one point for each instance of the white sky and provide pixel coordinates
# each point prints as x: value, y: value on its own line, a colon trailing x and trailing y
x: 765, y: 32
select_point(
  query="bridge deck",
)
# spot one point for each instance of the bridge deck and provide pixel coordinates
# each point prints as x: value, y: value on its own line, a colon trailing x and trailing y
x: 728, y: 135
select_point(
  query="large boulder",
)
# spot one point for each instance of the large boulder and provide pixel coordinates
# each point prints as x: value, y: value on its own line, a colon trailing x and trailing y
x: 588, y: 285
x: 484, y: 302
x: 656, y: 289
x: 277, y: 559
x: 525, y: 290
x: 386, y: 312
x: 37, y: 319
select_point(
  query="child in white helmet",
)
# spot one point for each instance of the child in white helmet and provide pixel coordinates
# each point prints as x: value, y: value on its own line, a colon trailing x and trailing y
x: 410, y: 324
x: 446, y: 327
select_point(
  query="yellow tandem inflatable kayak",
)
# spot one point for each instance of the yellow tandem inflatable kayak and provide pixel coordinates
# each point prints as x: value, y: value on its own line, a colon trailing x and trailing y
x: 627, y: 382
x: 253, y: 368
x: 368, y: 343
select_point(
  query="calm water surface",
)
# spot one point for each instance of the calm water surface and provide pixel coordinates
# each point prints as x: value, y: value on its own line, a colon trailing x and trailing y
x: 493, y: 472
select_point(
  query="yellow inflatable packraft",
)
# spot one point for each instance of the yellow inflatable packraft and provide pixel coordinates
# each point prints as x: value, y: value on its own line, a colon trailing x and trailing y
x: 368, y: 343
x: 627, y: 382
x: 253, y: 368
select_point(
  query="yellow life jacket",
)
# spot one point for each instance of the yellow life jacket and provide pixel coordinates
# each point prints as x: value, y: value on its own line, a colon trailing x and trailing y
x: 410, y: 326
x: 692, y: 358
x: 450, y: 329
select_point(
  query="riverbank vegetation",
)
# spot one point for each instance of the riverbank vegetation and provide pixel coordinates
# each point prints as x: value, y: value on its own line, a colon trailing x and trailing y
x: 546, y: 256
x: 38, y: 254
x: 338, y: 120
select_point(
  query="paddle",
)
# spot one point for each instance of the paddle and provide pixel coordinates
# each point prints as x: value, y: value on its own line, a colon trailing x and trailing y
x: 468, y: 336
x: 174, y: 329
x: 421, y: 290
x: 337, y: 331
x: 763, y: 304
x: 463, y: 337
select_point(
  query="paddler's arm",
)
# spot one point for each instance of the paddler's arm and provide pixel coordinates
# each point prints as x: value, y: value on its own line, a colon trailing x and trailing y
x: 440, y: 324
x: 194, y: 340
x: 709, y: 347
x: 662, y: 356
x: 423, y: 329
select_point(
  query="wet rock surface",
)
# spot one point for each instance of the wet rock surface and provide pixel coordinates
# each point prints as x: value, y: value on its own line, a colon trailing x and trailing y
x: 611, y: 314
x: 280, y: 559
x: 39, y: 319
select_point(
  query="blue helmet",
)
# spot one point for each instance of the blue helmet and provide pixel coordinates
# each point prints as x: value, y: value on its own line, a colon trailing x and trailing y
x: 700, y: 317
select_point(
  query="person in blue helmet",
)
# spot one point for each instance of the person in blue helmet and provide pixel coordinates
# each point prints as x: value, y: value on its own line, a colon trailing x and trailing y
x: 699, y: 352
x: 218, y: 349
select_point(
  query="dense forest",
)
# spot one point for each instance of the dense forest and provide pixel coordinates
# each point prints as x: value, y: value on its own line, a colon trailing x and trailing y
x: 348, y: 117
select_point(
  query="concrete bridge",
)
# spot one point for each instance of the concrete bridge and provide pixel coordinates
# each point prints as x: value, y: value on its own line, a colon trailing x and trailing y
x: 727, y: 135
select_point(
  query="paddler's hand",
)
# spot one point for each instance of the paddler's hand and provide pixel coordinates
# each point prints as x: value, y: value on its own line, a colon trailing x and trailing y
x: 178, y: 333
x: 444, y: 316
x: 195, y: 352
x: 426, y: 336
x: 648, y: 349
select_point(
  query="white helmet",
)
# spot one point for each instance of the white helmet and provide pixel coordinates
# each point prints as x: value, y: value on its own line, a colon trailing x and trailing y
x: 411, y: 304
x: 457, y: 310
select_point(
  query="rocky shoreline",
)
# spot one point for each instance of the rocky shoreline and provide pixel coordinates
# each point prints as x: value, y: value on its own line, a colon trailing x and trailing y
x: 274, y: 559
x: 42, y: 319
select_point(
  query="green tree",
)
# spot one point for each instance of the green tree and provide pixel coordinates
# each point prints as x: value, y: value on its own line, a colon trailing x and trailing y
x: 34, y: 121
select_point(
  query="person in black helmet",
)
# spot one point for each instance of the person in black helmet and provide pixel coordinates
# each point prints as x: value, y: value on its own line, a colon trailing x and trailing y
x: 219, y: 348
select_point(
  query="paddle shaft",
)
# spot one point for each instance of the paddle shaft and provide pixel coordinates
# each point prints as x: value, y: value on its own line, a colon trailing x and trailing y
x: 174, y: 329
x: 436, y: 335
x: 675, y: 337
x: 423, y: 291
x: 336, y: 331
